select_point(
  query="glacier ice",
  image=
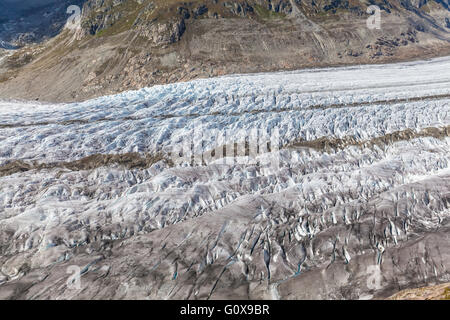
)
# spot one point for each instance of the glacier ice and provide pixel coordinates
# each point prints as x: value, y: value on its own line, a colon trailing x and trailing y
x: 317, y: 221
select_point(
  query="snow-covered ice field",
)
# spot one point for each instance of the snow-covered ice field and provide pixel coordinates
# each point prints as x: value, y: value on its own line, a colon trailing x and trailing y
x: 361, y: 183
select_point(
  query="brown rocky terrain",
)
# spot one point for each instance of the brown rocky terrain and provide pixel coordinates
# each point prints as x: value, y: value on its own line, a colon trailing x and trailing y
x: 438, y: 292
x: 129, y: 44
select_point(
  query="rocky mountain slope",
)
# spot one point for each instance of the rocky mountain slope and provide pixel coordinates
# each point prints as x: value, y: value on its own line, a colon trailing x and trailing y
x: 129, y: 44
x: 437, y: 292
x: 31, y: 21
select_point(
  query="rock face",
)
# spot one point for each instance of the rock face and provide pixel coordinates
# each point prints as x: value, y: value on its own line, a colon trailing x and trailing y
x: 130, y: 44
x: 438, y: 292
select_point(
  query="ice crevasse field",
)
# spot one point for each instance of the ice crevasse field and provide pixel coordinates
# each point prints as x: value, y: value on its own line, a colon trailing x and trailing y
x: 361, y: 182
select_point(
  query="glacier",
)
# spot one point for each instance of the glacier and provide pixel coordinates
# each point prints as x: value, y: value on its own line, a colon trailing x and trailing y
x: 362, y: 183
